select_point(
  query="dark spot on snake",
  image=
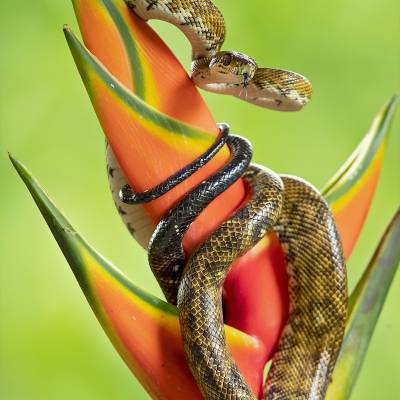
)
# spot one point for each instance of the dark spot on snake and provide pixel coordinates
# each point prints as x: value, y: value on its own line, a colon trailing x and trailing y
x: 284, y: 92
x: 131, y: 229
x: 226, y: 59
x: 111, y: 172
x: 121, y: 211
x: 131, y: 5
x: 151, y: 5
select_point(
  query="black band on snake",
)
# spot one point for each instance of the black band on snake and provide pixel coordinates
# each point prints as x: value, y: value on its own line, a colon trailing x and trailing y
x: 128, y: 196
x: 309, y: 345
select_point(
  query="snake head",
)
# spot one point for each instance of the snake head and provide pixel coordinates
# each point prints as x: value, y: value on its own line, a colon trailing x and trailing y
x: 232, y: 67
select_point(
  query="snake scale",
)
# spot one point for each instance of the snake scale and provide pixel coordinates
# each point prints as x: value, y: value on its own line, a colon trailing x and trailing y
x: 225, y: 72
x: 294, y: 209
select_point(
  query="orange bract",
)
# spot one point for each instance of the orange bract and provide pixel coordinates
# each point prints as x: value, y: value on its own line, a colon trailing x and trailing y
x: 156, y: 123
x: 166, y: 86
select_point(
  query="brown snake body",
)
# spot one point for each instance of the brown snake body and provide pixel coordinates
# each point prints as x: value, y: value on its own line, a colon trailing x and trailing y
x: 225, y: 72
x: 308, y: 348
x: 307, y: 351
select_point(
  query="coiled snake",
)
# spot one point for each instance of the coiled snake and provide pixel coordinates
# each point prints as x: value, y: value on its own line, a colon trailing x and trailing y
x: 309, y: 345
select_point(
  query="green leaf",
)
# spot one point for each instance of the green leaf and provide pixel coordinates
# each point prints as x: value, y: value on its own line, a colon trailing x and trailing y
x: 354, y: 169
x: 365, y: 305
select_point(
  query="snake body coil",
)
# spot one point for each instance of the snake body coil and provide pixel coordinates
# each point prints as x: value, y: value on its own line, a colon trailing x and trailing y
x: 308, y: 348
x: 166, y: 255
x: 309, y: 345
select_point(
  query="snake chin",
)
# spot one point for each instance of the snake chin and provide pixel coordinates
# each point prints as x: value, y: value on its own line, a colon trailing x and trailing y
x: 232, y: 67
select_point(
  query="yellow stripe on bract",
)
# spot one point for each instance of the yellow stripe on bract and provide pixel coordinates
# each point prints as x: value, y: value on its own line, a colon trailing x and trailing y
x: 96, y: 272
x: 240, y: 340
x: 150, y: 93
x: 178, y: 142
x: 261, y: 245
x: 342, y: 202
x: 92, y: 76
x: 93, y: 268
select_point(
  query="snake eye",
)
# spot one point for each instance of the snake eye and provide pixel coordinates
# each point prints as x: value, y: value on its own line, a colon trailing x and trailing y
x: 226, y: 59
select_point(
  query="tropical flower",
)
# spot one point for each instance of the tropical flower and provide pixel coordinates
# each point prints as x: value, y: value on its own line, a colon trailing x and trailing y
x: 150, y: 110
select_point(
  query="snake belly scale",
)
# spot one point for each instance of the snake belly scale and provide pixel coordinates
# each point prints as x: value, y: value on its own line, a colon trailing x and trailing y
x: 294, y: 209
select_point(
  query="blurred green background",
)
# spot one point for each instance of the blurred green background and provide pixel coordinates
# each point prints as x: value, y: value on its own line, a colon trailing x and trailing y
x: 51, y: 346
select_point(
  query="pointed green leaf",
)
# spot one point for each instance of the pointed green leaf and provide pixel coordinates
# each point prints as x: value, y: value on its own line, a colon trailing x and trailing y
x: 350, y: 192
x: 365, y: 306
x: 354, y: 169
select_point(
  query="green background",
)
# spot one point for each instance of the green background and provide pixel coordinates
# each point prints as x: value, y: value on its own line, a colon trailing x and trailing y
x: 51, y: 346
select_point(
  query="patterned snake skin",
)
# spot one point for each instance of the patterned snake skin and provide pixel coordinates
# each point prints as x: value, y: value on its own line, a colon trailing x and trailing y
x: 166, y: 255
x: 308, y: 348
x: 200, y: 291
x: 225, y: 72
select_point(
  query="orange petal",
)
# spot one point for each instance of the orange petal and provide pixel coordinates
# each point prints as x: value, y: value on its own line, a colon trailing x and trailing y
x: 118, y: 38
x: 137, y: 141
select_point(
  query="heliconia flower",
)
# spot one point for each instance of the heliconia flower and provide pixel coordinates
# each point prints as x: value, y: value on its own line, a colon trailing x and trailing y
x: 150, y: 110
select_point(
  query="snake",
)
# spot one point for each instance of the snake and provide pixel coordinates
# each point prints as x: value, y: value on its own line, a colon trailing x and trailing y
x: 225, y: 72
x: 289, y: 206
